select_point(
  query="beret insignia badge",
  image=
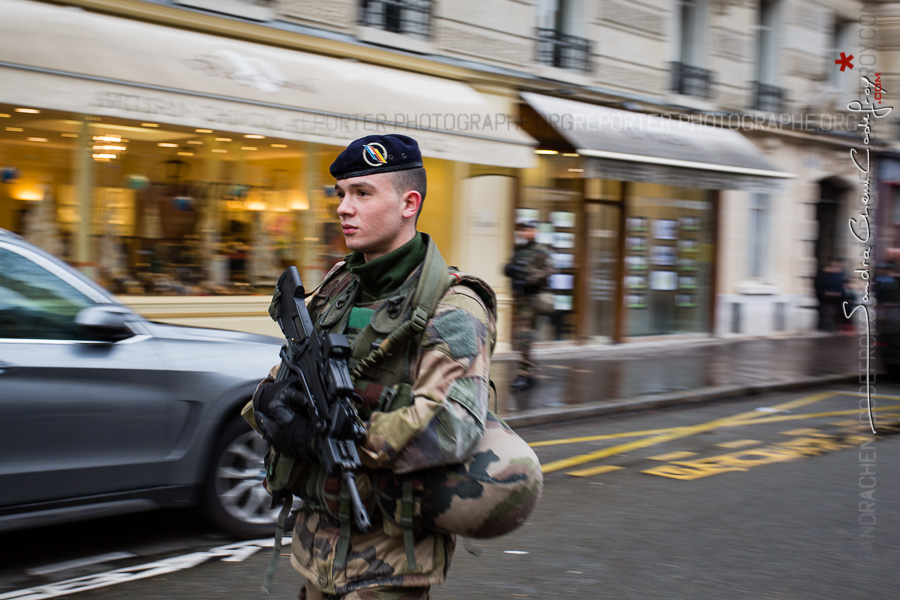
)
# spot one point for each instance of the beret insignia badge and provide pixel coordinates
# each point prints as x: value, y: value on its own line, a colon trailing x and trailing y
x: 374, y: 154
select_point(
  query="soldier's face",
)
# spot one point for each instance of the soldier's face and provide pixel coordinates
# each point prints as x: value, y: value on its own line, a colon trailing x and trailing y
x: 375, y: 217
x: 526, y: 234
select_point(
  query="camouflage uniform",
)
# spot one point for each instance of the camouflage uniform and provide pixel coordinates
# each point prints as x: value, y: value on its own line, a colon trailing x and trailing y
x: 425, y: 406
x: 528, y: 268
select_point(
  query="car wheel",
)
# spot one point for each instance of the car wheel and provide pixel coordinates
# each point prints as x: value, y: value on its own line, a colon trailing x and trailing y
x: 235, y: 499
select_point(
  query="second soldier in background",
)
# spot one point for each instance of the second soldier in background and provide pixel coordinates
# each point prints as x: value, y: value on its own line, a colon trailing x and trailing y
x: 529, y: 269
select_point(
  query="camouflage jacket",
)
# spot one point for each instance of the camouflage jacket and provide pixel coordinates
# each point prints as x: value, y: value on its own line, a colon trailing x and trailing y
x: 424, y: 407
x: 529, y: 268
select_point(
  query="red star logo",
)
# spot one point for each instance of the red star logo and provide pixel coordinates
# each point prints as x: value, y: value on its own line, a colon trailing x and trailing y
x: 844, y: 61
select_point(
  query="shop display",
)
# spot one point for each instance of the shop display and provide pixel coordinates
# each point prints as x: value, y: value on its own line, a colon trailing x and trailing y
x: 665, y: 229
x: 663, y: 280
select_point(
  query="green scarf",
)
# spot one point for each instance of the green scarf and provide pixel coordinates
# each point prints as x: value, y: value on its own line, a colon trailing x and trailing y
x: 380, y: 277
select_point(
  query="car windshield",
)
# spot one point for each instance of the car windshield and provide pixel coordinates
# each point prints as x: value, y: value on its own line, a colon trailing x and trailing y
x: 35, y: 303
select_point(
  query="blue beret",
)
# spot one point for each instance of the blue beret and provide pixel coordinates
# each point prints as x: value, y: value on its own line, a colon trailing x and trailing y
x: 377, y: 154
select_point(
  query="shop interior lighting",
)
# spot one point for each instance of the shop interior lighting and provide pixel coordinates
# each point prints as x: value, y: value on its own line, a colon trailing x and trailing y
x: 248, y: 148
x: 167, y: 145
x: 220, y: 151
x: 37, y: 139
x: 103, y: 156
x: 571, y: 154
x: 195, y: 142
x: 223, y: 139
x: 183, y: 153
x: 109, y: 147
x: 14, y: 129
x: 149, y: 124
x: 576, y: 170
x: 4, y: 116
x: 546, y: 152
x: 254, y: 136
x: 29, y: 195
x: 69, y: 135
x: 30, y: 111
x: 107, y: 138
x: 279, y: 145
x: 203, y: 131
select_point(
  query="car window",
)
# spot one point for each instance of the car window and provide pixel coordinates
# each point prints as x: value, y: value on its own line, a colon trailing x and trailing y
x: 35, y: 303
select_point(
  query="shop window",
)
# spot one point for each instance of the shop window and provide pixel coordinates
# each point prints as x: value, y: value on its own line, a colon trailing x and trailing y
x: 165, y: 209
x: 557, y: 212
x: 668, y: 260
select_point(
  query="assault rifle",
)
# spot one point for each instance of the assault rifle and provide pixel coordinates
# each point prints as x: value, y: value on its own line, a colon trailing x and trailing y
x: 320, y: 363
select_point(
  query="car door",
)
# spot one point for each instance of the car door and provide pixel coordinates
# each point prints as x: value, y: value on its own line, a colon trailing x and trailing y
x: 79, y: 415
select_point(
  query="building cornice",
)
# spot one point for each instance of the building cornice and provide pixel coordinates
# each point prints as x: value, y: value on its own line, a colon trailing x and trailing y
x: 484, y: 77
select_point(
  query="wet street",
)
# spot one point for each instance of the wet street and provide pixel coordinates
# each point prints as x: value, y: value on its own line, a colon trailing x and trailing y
x: 780, y: 496
x: 609, y: 373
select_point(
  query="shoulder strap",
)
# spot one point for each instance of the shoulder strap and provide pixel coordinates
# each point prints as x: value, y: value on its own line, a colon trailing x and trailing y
x: 434, y: 282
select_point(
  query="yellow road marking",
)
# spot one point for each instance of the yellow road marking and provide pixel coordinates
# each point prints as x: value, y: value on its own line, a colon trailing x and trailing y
x: 672, y: 455
x: 859, y: 395
x: 743, y: 460
x: 605, y: 436
x: 738, y: 444
x: 759, y: 421
x: 801, y: 431
x: 833, y: 413
x: 677, y: 433
x: 594, y: 471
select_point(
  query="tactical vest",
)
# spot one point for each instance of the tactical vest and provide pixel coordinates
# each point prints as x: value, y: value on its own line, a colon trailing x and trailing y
x: 490, y: 494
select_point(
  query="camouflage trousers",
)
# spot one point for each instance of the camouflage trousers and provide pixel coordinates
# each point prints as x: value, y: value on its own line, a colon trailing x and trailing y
x: 311, y: 592
x: 523, y: 334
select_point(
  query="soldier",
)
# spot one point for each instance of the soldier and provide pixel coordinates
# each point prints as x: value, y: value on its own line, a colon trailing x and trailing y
x: 424, y: 404
x: 529, y: 268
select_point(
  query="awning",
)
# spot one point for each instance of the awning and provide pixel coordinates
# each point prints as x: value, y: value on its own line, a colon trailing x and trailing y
x: 69, y: 59
x: 632, y: 146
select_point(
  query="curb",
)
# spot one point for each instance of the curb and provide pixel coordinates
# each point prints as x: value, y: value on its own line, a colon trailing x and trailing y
x: 601, y: 351
x: 557, y: 415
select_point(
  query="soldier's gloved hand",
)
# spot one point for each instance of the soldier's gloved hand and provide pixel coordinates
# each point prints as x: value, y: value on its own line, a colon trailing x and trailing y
x: 278, y: 408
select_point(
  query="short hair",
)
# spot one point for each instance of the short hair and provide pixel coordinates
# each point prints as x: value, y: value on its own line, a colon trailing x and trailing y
x: 411, y: 179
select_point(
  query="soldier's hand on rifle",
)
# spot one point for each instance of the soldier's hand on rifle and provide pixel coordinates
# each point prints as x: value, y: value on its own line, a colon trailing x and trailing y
x: 277, y: 407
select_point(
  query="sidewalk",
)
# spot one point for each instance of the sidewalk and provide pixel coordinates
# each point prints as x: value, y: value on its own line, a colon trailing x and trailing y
x: 583, y: 381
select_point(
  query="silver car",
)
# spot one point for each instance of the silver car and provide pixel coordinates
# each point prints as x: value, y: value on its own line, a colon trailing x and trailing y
x: 103, y: 412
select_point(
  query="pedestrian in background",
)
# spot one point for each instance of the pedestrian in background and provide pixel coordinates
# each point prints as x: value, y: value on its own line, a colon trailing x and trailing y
x: 831, y: 293
x: 423, y: 404
x: 529, y: 269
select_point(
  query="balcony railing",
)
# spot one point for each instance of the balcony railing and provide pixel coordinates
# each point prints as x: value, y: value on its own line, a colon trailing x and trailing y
x: 768, y: 98
x: 691, y: 81
x: 408, y: 17
x: 563, y: 50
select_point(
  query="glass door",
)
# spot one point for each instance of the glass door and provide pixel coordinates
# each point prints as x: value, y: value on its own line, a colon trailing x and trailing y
x: 602, y: 250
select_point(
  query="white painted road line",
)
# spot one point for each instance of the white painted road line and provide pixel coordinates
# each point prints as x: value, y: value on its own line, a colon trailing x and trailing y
x: 230, y: 553
x: 78, y: 563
